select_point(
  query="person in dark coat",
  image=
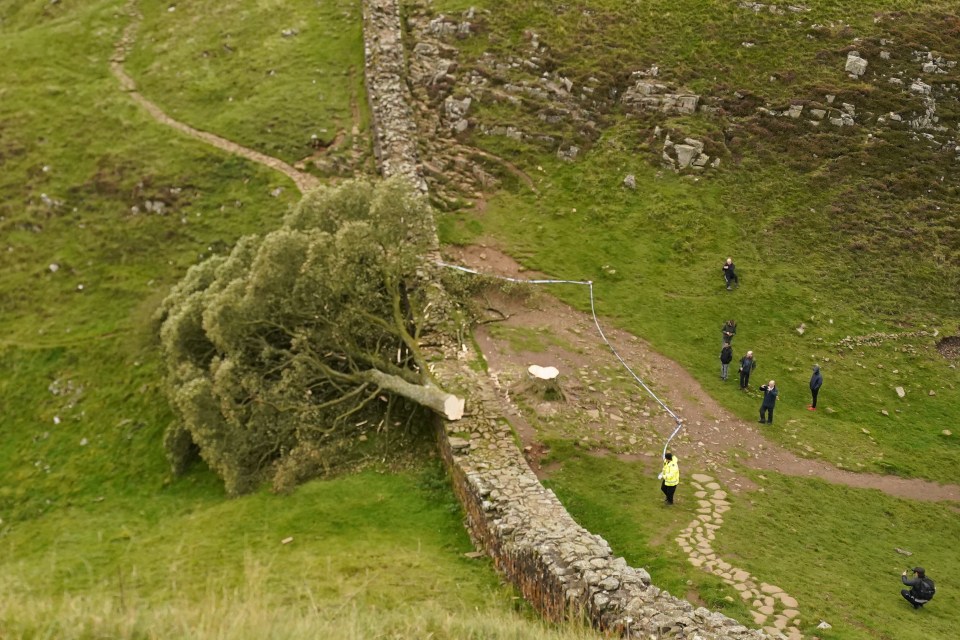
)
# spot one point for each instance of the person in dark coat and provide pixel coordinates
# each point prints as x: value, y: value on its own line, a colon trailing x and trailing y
x: 730, y: 274
x: 747, y: 365
x: 726, y: 356
x: 728, y: 331
x: 921, y: 589
x: 770, y: 394
x: 816, y: 381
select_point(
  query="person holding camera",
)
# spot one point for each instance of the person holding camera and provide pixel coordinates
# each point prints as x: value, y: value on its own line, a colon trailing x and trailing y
x: 921, y: 589
x: 770, y: 394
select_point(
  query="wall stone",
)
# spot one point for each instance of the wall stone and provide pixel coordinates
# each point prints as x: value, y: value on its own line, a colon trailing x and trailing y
x: 560, y: 568
x: 394, y: 127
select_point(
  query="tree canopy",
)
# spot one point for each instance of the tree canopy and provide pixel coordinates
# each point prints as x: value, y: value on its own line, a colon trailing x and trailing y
x: 279, y: 352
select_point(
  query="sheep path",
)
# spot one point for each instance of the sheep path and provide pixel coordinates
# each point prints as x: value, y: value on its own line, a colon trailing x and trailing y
x: 304, y: 181
x: 711, y: 433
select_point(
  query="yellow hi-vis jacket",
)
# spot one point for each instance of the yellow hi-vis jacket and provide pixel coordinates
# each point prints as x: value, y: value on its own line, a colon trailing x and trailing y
x: 671, y: 472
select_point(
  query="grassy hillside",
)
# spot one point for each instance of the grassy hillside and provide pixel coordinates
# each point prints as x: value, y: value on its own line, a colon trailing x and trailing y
x: 850, y: 231
x: 850, y: 234
x: 96, y: 539
x: 846, y: 232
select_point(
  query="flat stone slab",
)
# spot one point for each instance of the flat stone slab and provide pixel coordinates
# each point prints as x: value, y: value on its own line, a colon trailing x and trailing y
x: 699, y: 477
x: 788, y: 602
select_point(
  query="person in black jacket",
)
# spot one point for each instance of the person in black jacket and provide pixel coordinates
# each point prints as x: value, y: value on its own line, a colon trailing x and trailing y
x: 730, y: 274
x: 747, y: 365
x: 726, y: 356
x: 921, y: 589
x: 816, y: 381
x: 770, y: 394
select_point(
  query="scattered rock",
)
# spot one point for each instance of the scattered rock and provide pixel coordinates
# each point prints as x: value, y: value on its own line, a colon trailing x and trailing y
x: 630, y: 182
x: 900, y: 392
x: 856, y: 65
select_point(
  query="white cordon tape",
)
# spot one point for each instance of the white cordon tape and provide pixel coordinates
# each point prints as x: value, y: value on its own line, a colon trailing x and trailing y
x: 596, y: 322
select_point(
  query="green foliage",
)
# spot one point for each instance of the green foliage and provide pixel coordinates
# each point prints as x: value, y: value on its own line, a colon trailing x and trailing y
x: 267, y: 348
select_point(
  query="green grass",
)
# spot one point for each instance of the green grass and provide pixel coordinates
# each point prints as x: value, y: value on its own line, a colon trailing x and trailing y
x: 639, y: 528
x: 96, y: 538
x: 832, y: 548
x: 846, y: 234
x: 226, y: 67
x: 373, y: 553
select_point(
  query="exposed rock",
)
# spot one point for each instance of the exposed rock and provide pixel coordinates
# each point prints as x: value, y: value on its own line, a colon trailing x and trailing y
x: 900, y: 392
x: 630, y: 182
x: 649, y: 94
x: 569, y: 154
x: 856, y: 65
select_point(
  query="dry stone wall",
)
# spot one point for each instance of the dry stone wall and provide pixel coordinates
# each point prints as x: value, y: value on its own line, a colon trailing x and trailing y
x: 561, y: 568
x: 395, y: 130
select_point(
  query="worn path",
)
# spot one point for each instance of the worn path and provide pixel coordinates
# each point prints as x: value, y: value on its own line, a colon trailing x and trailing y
x: 304, y: 181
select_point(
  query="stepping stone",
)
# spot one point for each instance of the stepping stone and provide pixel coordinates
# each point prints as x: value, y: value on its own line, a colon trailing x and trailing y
x: 704, y: 517
x: 741, y: 575
x: 766, y: 610
x: 705, y: 503
x: 724, y: 565
x: 700, y: 494
x: 719, y: 495
x: 791, y: 613
x: 740, y: 586
x: 746, y: 595
x: 713, y: 486
x: 699, y: 477
x: 697, y: 486
x: 696, y: 561
x: 758, y: 618
x: 769, y: 588
x: 794, y: 634
x: 719, y: 502
x: 788, y: 602
x: 721, y: 509
x: 704, y: 510
x: 770, y: 602
x: 780, y: 622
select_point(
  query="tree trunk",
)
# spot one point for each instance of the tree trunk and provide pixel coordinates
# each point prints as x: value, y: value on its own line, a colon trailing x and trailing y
x: 434, y: 398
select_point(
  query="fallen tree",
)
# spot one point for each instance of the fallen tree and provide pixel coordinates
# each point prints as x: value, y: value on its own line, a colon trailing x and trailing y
x: 289, y: 346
